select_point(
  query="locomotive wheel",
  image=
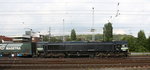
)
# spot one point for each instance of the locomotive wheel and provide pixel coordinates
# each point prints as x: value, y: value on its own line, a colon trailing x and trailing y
x: 91, y: 55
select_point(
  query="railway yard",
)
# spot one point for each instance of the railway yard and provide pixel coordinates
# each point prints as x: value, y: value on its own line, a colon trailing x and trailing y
x: 129, y: 63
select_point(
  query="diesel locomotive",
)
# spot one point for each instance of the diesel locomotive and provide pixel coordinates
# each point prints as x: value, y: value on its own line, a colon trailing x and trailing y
x: 66, y: 49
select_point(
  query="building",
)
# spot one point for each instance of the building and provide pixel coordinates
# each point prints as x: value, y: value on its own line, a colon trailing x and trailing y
x: 4, y: 39
x: 21, y: 38
x: 26, y: 37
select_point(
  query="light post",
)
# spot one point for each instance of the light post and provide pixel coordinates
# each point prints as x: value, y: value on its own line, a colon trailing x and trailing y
x: 49, y: 36
x: 92, y: 29
x: 63, y: 31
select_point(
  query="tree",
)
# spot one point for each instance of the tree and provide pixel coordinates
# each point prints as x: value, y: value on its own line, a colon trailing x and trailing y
x: 131, y: 42
x: 141, y: 37
x: 108, y: 32
x: 46, y: 38
x: 141, y: 41
x: 52, y: 39
x: 148, y: 44
x: 139, y: 44
x: 73, y: 34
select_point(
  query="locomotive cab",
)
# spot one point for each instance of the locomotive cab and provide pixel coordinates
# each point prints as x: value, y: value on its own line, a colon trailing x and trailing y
x: 121, y: 46
x: 124, y: 47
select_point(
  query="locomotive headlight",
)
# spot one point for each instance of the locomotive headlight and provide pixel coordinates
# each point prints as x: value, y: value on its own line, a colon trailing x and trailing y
x: 124, y: 48
x: 40, y: 49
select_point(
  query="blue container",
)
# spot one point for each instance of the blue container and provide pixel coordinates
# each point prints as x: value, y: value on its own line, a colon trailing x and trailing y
x: 1, y: 55
x: 19, y: 54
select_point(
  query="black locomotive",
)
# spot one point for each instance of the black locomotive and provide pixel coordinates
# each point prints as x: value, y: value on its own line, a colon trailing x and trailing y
x: 65, y: 49
x: 90, y: 49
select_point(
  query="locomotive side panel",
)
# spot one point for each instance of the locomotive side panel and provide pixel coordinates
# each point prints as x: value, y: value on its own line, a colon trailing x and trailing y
x: 101, y: 47
x: 75, y: 47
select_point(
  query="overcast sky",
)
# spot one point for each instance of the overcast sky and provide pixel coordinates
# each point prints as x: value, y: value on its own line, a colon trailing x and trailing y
x: 17, y: 16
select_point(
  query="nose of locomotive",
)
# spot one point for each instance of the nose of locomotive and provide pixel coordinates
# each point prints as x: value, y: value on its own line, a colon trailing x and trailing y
x: 124, y: 48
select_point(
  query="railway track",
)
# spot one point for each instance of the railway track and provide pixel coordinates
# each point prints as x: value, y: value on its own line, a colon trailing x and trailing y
x: 71, y: 63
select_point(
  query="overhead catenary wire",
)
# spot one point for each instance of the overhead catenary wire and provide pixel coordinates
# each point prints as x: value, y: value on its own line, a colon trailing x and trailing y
x: 74, y: 13
x: 103, y: 2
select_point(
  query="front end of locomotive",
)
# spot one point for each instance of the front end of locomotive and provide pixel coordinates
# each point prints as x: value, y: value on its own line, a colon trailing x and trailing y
x: 122, y: 48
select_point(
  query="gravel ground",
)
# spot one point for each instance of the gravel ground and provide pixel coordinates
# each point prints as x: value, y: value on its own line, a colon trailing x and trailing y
x: 129, y: 63
x: 88, y: 69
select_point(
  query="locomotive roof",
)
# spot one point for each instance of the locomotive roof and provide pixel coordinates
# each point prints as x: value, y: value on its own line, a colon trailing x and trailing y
x: 83, y: 42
